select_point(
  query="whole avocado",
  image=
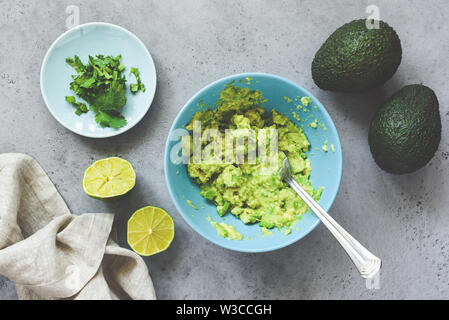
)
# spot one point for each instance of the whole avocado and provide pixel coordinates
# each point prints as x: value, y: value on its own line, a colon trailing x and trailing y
x: 406, y: 131
x: 355, y: 58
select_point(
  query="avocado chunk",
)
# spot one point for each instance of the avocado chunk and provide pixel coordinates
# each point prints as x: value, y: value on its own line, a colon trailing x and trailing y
x: 355, y: 58
x: 406, y: 131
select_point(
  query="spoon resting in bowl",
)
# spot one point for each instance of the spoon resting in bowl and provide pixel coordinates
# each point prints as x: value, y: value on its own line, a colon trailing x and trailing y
x: 367, y: 263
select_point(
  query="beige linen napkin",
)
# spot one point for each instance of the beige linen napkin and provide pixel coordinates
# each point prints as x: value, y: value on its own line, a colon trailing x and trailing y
x: 51, y: 254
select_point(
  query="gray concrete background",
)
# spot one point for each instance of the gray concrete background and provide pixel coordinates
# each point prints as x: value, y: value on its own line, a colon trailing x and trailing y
x: 404, y: 219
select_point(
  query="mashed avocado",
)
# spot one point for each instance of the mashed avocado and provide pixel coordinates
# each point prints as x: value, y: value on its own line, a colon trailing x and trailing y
x: 226, y: 231
x: 245, y: 189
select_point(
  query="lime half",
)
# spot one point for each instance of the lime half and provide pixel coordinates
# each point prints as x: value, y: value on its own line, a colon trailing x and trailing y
x: 108, y: 178
x: 150, y: 231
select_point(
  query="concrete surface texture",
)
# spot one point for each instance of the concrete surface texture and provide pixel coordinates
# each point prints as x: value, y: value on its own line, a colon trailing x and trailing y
x: 403, y: 219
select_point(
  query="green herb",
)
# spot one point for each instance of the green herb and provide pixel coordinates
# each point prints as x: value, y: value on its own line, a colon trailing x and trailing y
x: 135, y: 87
x: 102, y: 84
x: 80, y: 107
x: 110, y: 118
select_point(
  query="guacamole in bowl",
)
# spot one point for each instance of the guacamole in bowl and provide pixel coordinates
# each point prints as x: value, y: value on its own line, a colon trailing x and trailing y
x: 239, y: 202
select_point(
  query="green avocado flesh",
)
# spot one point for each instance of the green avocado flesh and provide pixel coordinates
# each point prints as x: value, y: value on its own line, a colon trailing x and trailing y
x: 355, y: 58
x: 226, y: 231
x: 406, y: 131
x: 253, y: 192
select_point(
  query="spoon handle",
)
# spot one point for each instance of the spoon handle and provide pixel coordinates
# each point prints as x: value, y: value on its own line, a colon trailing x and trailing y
x: 367, y: 263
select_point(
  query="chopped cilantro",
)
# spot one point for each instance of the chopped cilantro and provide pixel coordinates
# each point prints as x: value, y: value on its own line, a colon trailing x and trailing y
x: 110, y: 118
x: 102, y: 84
x: 80, y: 107
x: 135, y: 87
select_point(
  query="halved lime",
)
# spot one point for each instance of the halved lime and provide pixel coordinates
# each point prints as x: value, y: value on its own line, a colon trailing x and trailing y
x: 150, y: 231
x: 108, y: 178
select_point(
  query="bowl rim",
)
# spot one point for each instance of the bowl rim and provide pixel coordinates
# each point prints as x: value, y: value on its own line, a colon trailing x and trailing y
x: 110, y: 25
x: 167, y: 156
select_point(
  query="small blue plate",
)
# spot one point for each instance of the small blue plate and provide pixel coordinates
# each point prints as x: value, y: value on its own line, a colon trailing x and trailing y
x: 326, y: 166
x: 92, y: 39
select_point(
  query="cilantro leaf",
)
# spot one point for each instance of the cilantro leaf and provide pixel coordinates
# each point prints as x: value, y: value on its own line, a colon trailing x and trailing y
x: 76, y: 64
x: 80, y: 107
x: 135, y: 87
x: 112, y: 99
x: 110, y: 118
x: 89, y: 82
x: 70, y: 99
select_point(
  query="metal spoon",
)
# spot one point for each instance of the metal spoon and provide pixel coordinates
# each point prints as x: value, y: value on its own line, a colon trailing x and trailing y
x: 367, y: 263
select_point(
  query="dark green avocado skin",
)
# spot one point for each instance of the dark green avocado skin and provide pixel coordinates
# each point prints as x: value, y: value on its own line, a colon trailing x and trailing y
x: 406, y: 131
x: 355, y: 58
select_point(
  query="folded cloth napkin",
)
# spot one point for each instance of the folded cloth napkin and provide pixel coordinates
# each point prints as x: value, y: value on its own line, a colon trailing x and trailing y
x: 50, y: 253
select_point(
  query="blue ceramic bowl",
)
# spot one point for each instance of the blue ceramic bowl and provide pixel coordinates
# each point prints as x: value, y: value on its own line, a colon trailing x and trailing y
x: 92, y: 39
x: 326, y: 167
